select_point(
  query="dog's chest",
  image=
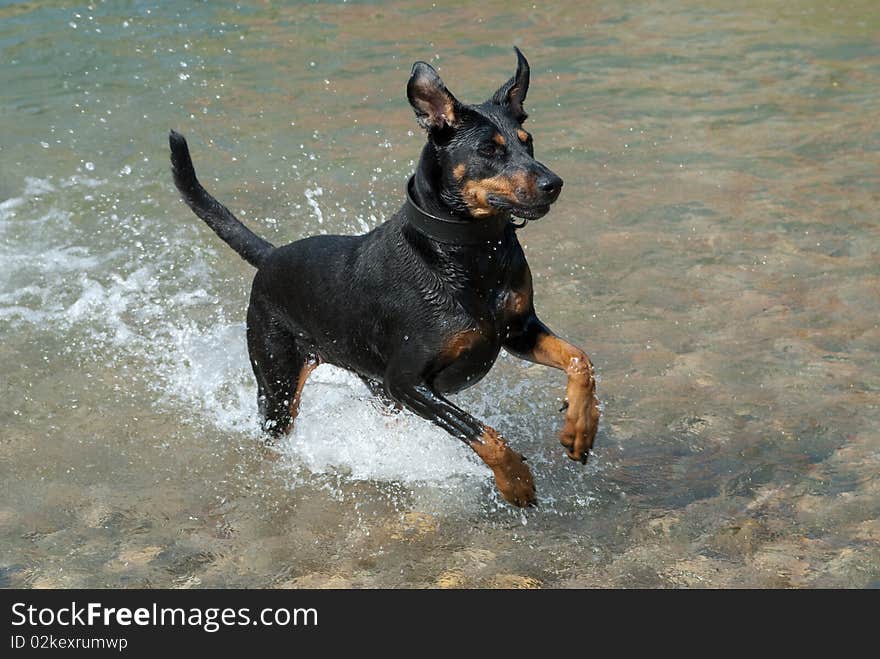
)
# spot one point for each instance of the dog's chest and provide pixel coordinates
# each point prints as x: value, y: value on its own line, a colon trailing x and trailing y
x: 467, y: 355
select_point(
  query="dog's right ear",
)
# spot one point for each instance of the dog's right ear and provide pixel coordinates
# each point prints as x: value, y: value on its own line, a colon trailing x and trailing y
x: 513, y: 93
x: 435, y: 106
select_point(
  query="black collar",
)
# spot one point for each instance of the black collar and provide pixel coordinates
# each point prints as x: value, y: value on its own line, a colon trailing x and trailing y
x: 451, y: 231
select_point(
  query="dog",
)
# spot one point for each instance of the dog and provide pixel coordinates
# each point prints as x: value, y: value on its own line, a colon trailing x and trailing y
x: 420, y: 306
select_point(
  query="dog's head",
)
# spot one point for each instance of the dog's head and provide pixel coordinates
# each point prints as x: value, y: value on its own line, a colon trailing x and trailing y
x: 486, y: 157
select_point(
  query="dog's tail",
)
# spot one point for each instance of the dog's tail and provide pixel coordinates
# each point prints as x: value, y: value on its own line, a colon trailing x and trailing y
x: 249, y: 245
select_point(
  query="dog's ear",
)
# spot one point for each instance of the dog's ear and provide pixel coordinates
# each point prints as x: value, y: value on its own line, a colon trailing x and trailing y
x: 435, y: 106
x: 513, y: 93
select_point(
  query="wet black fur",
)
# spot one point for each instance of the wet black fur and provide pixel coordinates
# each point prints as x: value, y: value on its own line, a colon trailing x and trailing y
x: 387, y: 304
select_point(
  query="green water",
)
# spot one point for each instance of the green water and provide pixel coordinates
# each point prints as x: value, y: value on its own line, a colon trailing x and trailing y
x: 715, y: 250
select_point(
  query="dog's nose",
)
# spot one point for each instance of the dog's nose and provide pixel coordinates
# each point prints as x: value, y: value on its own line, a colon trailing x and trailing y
x: 550, y: 184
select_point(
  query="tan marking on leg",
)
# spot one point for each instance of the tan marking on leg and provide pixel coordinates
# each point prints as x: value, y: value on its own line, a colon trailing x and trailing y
x: 512, y: 476
x: 304, y: 373
x: 582, y: 415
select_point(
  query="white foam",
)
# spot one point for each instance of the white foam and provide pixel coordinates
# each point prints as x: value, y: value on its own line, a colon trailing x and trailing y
x: 343, y: 427
x: 311, y: 195
x: 35, y: 187
x: 8, y: 204
x: 207, y: 368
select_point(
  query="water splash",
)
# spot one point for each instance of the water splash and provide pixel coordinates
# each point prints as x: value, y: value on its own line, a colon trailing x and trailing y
x: 342, y: 426
x: 117, y: 305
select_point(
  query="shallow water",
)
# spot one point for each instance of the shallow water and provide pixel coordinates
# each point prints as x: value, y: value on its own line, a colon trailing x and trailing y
x: 715, y: 250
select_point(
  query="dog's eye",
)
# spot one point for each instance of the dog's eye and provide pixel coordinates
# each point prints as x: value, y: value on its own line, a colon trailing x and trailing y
x: 490, y: 150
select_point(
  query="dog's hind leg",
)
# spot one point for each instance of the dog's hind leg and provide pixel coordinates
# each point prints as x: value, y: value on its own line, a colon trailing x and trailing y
x: 281, y: 365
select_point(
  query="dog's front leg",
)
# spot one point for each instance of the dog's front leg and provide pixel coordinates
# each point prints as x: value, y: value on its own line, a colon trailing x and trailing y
x: 530, y: 339
x: 512, y: 476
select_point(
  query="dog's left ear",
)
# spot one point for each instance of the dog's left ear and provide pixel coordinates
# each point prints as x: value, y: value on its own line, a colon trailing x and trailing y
x: 513, y: 93
x: 435, y: 106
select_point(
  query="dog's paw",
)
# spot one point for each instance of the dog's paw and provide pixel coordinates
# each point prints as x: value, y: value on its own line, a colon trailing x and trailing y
x: 579, y: 431
x: 515, y: 482
x: 512, y: 477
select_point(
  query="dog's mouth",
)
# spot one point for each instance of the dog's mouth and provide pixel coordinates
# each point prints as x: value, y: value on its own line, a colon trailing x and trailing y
x: 522, y: 211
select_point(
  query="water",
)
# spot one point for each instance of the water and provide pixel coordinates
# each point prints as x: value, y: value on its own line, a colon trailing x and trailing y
x: 715, y: 250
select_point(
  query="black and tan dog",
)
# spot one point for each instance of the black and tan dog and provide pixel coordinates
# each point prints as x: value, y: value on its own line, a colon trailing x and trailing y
x: 421, y: 305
